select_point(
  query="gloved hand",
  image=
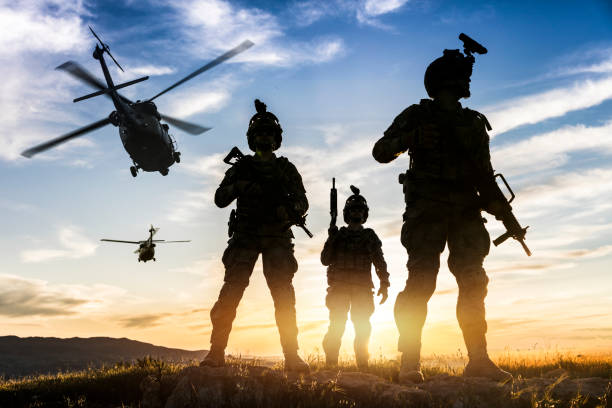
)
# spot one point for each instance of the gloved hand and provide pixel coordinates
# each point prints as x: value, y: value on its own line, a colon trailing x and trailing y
x: 383, y: 291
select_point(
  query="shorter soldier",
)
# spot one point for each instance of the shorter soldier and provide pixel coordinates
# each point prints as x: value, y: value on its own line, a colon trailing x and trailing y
x: 349, y: 253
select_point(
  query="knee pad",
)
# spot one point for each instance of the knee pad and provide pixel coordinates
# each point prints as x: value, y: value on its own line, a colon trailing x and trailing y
x: 420, y: 284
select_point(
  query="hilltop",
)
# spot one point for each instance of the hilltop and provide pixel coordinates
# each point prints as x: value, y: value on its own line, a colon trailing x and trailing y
x: 42, y: 355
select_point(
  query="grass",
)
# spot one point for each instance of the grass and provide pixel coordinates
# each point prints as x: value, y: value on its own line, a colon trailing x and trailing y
x: 118, y: 386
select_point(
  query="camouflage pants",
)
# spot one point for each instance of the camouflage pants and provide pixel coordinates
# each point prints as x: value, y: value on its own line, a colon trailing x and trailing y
x: 428, y: 226
x: 279, y: 266
x: 359, y: 299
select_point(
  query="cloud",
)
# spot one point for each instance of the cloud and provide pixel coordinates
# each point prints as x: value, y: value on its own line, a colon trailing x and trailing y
x: 21, y: 297
x: 197, y: 102
x: 217, y: 25
x: 41, y: 26
x: 364, y: 11
x: 32, y: 34
x: 553, y: 103
x: 143, y: 321
x: 147, y: 70
x: 74, y: 245
x: 552, y: 149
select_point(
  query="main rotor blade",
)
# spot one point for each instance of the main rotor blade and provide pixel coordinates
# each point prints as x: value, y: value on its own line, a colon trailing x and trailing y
x: 188, y: 127
x: 81, y: 73
x: 117, y: 240
x: 242, y: 47
x: 64, y: 138
x: 169, y: 242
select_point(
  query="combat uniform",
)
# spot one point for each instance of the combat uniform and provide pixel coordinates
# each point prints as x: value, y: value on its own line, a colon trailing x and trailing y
x: 259, y: 227
x: 443, y: 206
x: 349, y: 255
x: 257, y: 230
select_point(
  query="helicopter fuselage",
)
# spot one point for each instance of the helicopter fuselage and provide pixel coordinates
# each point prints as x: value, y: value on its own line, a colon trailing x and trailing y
x: 146, y: 252
x: 144, y: 138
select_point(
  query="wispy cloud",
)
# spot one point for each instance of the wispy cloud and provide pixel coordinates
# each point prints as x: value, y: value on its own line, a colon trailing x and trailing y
x: 217, y: 25
x: 552, y: 149
x: 553, y: 103
x: 41, y: 26
x: 143, y: 321
x: 73, y: 244
x: 32, y: 35
x: 364, y: 11
x: 29, y: 297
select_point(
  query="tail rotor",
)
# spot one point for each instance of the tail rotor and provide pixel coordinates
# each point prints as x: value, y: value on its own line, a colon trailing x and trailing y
x: 105, y: 48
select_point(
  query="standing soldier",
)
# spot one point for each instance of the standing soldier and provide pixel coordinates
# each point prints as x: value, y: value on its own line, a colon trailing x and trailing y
x: 270, y: 199
x: 349, y: 254
x: 449, y: 181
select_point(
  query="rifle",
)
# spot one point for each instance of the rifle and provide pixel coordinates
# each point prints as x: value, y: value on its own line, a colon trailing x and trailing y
x: 513, y: 228
x: 294, y: 218
x: 333, y: 205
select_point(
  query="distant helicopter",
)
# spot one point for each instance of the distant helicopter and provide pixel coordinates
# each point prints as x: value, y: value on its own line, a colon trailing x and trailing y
x: 144, y: 137
x: 146, y: 249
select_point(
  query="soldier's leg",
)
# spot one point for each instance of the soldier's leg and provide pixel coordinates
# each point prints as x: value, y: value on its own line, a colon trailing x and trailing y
x: 424, y: 237
x: 338, y: 303
x: 239, y: 260
x: 468, y: 244
x: 279, y: 266
x: 362, y: 307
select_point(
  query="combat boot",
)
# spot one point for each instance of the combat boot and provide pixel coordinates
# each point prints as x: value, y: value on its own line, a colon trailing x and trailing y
x: 214, y: 358
x: 479, y: 364
x: 362, y: 360
x: 410, y: 370
x: 293, y: 362
x: 331, y: 360
x: 482, y: 366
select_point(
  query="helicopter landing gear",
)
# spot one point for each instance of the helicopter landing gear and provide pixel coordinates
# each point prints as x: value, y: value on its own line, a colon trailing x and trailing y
x: 177, y: 157
x: 153, y: 259
x: 164, y: 172
x: 134, y: 171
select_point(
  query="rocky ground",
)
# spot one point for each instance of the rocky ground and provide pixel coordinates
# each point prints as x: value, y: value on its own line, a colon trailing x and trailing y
x: 258, y: 386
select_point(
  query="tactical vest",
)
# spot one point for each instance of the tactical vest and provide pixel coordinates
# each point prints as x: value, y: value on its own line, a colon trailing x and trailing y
x: 351, y: 257
x: 443, y: 172
x: 257, y: 214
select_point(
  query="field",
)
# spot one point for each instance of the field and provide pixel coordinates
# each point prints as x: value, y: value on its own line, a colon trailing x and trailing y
x: 542, y: 380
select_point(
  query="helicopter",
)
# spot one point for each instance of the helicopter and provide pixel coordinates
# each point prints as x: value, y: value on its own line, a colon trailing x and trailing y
x: 144, y: 137
x: 146, y: 249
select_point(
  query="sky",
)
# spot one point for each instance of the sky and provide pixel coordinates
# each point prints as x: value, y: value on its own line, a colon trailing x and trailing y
x: 335, y: 73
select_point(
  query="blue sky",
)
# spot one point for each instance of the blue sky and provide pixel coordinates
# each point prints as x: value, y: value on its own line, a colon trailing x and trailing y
x: 336, y: 73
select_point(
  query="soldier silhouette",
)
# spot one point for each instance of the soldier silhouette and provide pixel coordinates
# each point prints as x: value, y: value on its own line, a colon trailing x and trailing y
x: 349, y: 254
x: 449, y: 181
x: 270, y: 197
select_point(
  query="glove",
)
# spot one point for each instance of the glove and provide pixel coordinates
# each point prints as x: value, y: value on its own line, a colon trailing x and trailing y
x: 383, y: 291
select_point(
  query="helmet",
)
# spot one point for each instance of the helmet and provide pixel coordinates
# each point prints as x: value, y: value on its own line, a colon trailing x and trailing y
x: 452, y: 65
x: 356, y: 200
x: 264, y: 119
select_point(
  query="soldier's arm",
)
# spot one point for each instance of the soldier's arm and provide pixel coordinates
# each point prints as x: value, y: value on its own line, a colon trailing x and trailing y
x: 298, y: 192
x: 227, y: 190
x: 398, y: 138
x: 378, y: 259
x: 486, y: 185
x: 328, y: 251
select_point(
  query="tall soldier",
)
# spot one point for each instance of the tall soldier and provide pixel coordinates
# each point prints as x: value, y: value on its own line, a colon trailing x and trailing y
x: 449, y: 181
x: 270, y: 197
x: 349, y: 254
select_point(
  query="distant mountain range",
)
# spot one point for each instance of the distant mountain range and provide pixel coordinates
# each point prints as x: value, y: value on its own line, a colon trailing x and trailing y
x: 44, y: 355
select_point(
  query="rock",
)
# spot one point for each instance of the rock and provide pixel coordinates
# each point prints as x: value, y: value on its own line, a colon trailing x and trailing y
x: 556, y: 373
x: 150, y: 388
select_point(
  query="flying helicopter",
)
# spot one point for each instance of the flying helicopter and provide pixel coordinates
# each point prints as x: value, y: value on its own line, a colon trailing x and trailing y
x: 144, y: 137
x: 146, y: 248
